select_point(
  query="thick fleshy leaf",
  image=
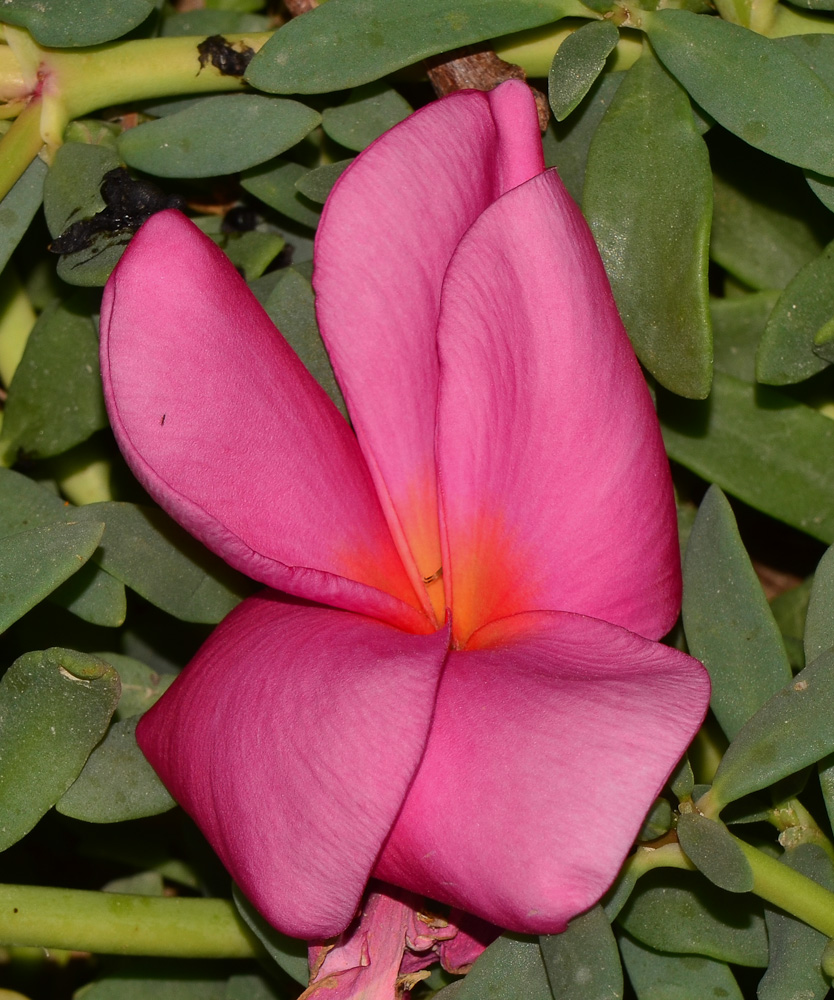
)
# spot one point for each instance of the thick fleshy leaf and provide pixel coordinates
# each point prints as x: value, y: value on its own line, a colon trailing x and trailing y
x: 552, y: 712
x: 385, y: 238
x: 554, y: 481
x: 231, y: 435
x: 291, y: 739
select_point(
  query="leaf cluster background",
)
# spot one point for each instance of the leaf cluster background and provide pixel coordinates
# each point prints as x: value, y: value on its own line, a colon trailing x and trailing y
x: 698, y: 144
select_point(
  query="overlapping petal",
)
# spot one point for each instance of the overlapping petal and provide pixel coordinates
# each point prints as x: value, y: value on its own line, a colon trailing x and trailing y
x: 555, y: 486
x: 228, y: 431
x: 291, y: 739
x: 386, y: 236
x: 549, y: 743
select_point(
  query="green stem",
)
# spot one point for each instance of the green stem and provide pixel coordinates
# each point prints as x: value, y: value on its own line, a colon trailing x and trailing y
x: 115, y: 924
x: 643, y: 860
x: 20, y: 145
x: 789, y: 890
x: 124, y: 72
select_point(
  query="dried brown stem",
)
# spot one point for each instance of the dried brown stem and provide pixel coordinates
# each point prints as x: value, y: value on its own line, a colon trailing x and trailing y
x: 478, y: 68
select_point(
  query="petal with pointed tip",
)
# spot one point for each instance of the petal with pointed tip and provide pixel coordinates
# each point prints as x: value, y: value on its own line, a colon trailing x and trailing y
x: 386, y: 236
x: 227, y: 430
x: 555, y: 486
x: 550, y: 741
x: 291, y: 739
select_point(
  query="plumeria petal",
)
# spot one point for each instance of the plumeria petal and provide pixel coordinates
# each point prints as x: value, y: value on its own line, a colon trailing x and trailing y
x: 549, y: 743
x: 364, y: 962
x: 227, y: 430
x: 386, y: 236
x: 291, y: 739
x: 555, y: 487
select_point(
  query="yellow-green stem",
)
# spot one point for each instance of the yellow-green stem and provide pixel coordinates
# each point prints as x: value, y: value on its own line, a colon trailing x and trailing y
x: 114, y: 924
x: 20, y: 145
x: 789, y: 890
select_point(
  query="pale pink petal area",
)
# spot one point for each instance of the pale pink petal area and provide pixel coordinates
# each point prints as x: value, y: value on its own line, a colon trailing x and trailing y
x: 364, y: 962
x: 226, y: 429
x: 555, y: 487
x: 549, y: 744
x: 386, y: 236
x: 291, y: 739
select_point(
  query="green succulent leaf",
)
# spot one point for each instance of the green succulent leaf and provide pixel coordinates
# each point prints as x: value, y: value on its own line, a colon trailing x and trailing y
x: 54, y: 708
x: 55, y: 399
x: 714, y: 851
x: 18, y: 208
x: 510, y: 968
x: 681, y: 912
x: 583, y: 963
x: 653, y: 231
x: 218, y: 135
x: 755, y: 87
x: 728, y: 623
x: 117, y: 783
x: 762, y: 446
x: 795, y: 948
x: 83, y: 22
x: 34, y: 563
x: 366, y: 114
x: 792, y: 730
x: 658, y: 976
x: 786, y: 353
x: 578, y: 62
x: 365, y: 40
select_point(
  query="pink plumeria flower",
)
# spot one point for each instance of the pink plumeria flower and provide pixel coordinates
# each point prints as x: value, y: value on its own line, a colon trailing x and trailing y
x: 454, y: 686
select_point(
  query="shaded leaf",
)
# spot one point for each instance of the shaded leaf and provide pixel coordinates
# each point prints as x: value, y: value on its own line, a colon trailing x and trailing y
x: 583, y: 963
x: 578, y: 62
x: 83, y: 22
x: 566, y: 144
x: 160, y: 979
x: 317, y: 184
x: 737, y: 327
x: 141, y: 686
x: 54, y: 708
x: 786, y: 353
x: 714, y: 851
x: 795, y: 948
x: 755, y: 87
x: 680, y: 911
x: 152, y: 555
x: 790, y: 611
x: 658, y: 821
x: 793, y: 729
x: 275, y: 182
x: 760, y: 445
x: 94, y: 596
x: 726, y: 617
x: 291, y: 309
x: 55, y: 399
x: 218, y: 135
x: 117, y: 783
x: 18, y: 208
x: 510, y: 968
x: 765, y: 224
x: 366, y: 114
x: 289, y: 953
x: 142, y: 547
x: 368, y: 39
x: 656, y: 976
x: 819, y: 619
x: 33, y: 563
x: 651, y: 230
x: 213, y: 22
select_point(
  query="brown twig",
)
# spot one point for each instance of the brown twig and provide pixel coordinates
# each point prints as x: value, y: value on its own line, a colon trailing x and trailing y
x: 477, y: 67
